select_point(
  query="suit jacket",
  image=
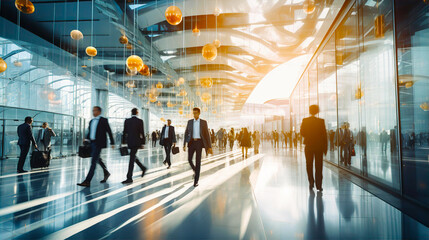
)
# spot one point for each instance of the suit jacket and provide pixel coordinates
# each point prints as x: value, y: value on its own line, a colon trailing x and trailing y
x: 133, y: 133
x: 204, y: 131
x: 25, y: 135
x: 46, y: 138
x: 171, y: 135
x: 103, y: 128
x: 314, y: 132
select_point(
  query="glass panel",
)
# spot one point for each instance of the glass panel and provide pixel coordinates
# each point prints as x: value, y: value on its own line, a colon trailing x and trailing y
x: 412, y: 28
x: 349, y: 99
x: 327, y: 90
x: 376, y: 139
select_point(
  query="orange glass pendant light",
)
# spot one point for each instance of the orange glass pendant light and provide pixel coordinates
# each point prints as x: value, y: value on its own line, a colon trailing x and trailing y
x: 25, y: 6
x: 134, y: 63
x: 3, y: 65
x: 159, y: 85
x: 209, y: 52
x: 91, y: 51
x: 196, y: 32
x: 216, y: 43
x: 123, y: 39
x: 76, y: 35
x: 173, y: 15
x: 309, y: 6
x: 206, y: 82
x: 206, y: 97
x: 145, y: 70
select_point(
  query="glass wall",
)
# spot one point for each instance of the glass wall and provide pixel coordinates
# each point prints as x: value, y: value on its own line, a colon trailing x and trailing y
x: 412, y: 34
x: 352, y: 78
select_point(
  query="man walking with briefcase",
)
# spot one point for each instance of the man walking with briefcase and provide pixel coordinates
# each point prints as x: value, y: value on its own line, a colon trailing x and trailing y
x: 168, y: 138
x: 97, y: 130
x: 135, y: 138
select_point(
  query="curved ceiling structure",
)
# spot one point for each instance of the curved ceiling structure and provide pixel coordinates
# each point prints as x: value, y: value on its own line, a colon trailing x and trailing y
x: 256, y: 36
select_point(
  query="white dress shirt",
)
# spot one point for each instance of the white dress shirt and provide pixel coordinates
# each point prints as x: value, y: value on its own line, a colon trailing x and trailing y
x: 94, y: 124
x: 196, y: 130
x: 166, y: 131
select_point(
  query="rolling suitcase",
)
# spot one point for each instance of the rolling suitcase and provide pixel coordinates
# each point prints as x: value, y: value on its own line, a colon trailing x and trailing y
x: 39, y: 159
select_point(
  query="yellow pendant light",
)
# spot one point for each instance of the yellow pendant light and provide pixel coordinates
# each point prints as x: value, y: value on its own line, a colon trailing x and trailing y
x: 76, y: 34
x: 123, y: 39
x: 25, y: 6
x: 3, y: 65
x: 173, y: 15
x: 134, y: 63
x: 209, y: 52
x: 91, y: 51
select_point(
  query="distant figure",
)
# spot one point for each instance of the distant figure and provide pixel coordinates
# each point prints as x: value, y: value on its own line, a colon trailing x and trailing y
x: 384, y: 139
x: 213, y: 137
x: 168, y: 139
x: 25, y: 137
x: 197, y: 137
x: 316, y: 144
x: 133, y: 135
x: 257, y: 141
x: 44, y: 138
x: 97, y: 130
x: 231, y: 138
x: 154, y: 137
x: 331, y: 140
x: 245, y: 141
x: 219, y: 136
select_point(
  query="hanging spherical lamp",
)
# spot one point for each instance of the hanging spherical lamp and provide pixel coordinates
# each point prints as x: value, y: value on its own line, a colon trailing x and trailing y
x: 131, y: 72
x: 123, y: 39
x: 25, y: 6
x: 182, y: 93
x: 409, y: 84
x: 134, y: 63
x: 196, y: 32
x: 169, y: 104
x: 145, y: 71
x: 17, y: 63
x: 91, y: 51
x: 424, y: 106
x: 152, y: 98
x: 129, y: 46
x: 76, y: 35
x: 209, y: 52
x: 185, y: 102
x: 159, y: 104
x: 3, y: 65
x: 159, y: 85
x: 181, y: 81
x: 217, y: 12
x: 309, y: 6
x: 206, y: 97
x: 180, y: 110
x: 206, y: 82
x: 173, y: 15
x: 216, y: 43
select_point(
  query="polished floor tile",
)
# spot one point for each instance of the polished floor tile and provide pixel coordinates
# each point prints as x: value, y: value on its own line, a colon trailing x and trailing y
x: 265, y: 196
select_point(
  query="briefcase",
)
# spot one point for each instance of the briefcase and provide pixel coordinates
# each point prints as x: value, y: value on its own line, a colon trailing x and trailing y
x: 123, y: 151
x: 85, y: 151
x: 175, y: 150
x: 39, y: 159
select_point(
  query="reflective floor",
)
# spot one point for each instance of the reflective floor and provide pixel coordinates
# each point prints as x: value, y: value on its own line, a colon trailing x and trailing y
x: 262, y: 197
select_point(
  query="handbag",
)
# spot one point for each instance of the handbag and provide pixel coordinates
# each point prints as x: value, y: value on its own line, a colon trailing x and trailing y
x: 175, y: 150
x: 123, y: 151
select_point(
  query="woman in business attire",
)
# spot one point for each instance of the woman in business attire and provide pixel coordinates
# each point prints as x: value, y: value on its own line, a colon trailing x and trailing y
x: 245, y: 141
x: 256, y: 141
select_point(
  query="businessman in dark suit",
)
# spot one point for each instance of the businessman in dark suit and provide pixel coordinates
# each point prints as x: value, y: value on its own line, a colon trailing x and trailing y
x: 168, y: 138
x: 134, y: 136
x: 97, y: 130
x: 197, y: 137
x: 25, y: 137
x: 316, y: 144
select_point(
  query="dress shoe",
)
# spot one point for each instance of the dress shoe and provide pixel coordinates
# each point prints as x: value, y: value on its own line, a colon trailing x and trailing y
x: 106, y: 176
x: 165, y: 163
x: 128, y: 181
x: 320, y: 189
x: 84, y: 184
x: 168, y: 167
x: 195, y: 184
x: 21, y: 171
x: 144, y: 171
